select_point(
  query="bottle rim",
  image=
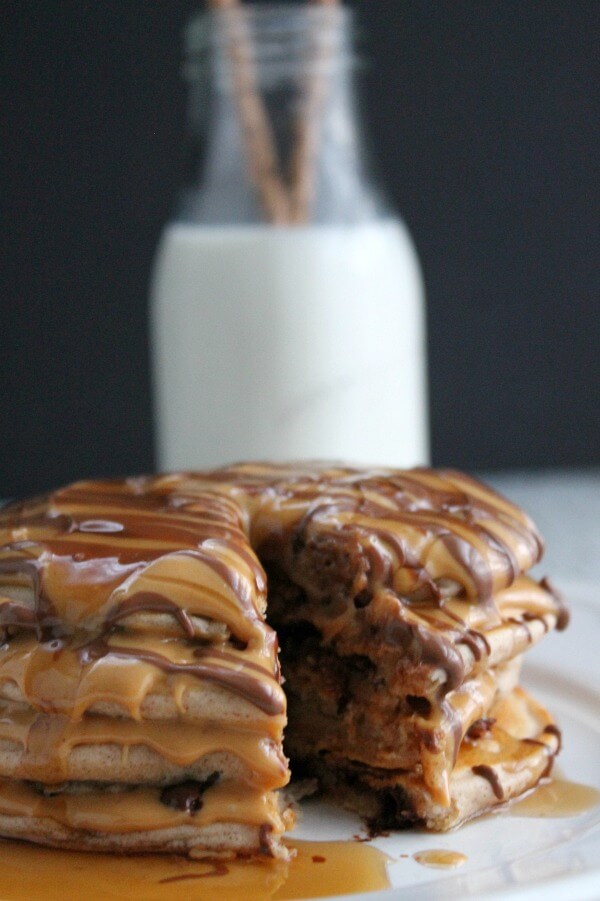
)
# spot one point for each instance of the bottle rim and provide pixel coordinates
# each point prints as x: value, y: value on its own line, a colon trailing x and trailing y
x: 279, y: 38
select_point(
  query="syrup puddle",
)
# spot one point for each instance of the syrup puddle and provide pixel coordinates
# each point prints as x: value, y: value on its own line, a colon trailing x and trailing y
x: 320, y: 870
x: 323, y: 869
x: 557, y: 798
x: 440, y: 858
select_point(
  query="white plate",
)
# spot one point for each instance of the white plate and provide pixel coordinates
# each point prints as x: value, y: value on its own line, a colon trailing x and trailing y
x: 508, y: 856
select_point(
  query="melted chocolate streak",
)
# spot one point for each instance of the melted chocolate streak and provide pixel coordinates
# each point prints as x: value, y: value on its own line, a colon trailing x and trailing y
x: 563, y: 611
x: 262, y: 693
x: 552, y: 729
x: 151, y: 602
x: 487, y: 772
x: 42, y: 619
x: 476, y: 642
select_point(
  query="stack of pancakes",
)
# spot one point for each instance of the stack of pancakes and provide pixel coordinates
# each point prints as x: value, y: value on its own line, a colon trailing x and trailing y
x: 141, y: 705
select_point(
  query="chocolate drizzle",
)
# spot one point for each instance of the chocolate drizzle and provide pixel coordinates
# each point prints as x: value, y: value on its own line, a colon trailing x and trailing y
x: 473, y: 563
x: 476, y: 642
x: 564, y: 614
x: 150, y: 602
x: 260, y: 692
x: 490, y: 774
x: 553, y: 729
x: 41, y: 617
x: 480, y: 727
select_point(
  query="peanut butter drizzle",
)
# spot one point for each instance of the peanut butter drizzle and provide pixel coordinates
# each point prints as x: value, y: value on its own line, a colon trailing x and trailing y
x: 69, y: 677
x: 452, y: 719
x: 511, y: 745
x: 508, y: 742
x: 47, y: 742
x: 140, y: 808
x: 77, y: 564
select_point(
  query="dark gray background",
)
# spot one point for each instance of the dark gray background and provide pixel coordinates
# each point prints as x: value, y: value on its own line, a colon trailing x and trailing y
x: 485, y: 116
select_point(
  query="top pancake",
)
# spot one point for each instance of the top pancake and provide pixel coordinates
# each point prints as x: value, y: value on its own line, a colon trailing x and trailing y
x: 433, y: 548
x: 427, y: 535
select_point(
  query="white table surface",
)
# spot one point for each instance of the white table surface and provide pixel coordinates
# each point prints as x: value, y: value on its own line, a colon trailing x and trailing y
x: 566, y: 508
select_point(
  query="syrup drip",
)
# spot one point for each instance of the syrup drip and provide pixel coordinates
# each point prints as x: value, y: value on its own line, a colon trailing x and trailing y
x: 320, y: 870
x: 440, y: 858
x: 557, y: 798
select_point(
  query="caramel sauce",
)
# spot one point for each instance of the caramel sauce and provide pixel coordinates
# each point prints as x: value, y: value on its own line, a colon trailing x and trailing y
x: 557, y: 798
x: 320, y: 870
x: 48, y: 743
x: 440, y: 858
x: 139, y: 808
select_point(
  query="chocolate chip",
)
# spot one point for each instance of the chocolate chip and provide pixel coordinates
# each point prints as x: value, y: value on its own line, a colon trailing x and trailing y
x: 363, y: 599
x: 238, y: 643
x: 421, y: 706
x: 480, y: 727
x: 187, y: 796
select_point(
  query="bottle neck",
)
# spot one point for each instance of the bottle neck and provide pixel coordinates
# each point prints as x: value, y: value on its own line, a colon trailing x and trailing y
x: 273, y: 119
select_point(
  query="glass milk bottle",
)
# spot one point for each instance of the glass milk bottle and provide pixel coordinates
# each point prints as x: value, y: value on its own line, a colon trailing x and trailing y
x: 287, y: 306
